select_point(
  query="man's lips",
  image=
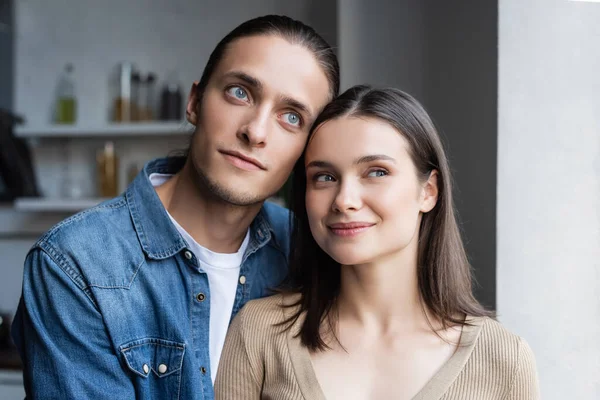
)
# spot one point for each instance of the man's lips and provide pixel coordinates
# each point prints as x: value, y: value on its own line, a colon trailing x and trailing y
x: 349, y: 228
x: 242, y: 161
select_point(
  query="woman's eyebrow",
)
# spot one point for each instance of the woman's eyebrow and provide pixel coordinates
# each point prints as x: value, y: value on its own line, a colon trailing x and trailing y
x: 374, y: 157
x: 360, y: 160
x: 319, y: 164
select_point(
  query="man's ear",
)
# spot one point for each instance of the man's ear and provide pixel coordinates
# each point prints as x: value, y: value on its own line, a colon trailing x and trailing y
x: 191, y: 110
x: 430, y: 192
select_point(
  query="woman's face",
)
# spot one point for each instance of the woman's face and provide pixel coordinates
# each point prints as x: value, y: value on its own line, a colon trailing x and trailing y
x: 363, y: 197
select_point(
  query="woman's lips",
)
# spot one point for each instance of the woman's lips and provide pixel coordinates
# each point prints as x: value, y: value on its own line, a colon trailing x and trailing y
x: 349, y: 229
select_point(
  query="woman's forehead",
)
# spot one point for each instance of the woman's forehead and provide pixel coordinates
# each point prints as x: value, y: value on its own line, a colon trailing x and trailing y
x: 352, y: 137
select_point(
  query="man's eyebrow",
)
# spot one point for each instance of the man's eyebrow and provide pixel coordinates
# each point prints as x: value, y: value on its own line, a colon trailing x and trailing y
x: 248, y: 79
x: 298, y: 105
x: 360, y: 160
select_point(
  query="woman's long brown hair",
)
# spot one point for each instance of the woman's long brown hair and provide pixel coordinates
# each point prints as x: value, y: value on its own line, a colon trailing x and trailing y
x: 444, y: 273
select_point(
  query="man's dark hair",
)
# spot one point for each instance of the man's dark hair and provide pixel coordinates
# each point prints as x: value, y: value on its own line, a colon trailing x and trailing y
x: 287, y: 28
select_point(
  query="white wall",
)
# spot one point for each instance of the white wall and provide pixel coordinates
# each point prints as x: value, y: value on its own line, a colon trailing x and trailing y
x: 549, y: 188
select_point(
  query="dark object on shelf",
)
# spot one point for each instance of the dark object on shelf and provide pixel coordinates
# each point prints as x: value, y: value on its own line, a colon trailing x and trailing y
x: 9, y: 358
x: 5, y: 340
x: 171, y: 103
x: 16, y: 168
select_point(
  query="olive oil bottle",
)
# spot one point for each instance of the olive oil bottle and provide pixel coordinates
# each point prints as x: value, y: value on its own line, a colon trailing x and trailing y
x: 66, y: 102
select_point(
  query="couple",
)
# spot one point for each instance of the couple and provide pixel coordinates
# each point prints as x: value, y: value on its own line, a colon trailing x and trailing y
x: 134, y: 298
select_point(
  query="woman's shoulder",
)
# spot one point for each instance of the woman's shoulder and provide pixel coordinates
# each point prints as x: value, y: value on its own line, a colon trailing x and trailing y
x: 268, y: 312
x: 494, y: 334
x: 499, y: 346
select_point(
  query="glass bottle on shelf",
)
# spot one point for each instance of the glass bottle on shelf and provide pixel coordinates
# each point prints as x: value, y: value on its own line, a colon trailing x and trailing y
x: 66, y: 102
x: 122, y: 82
x: 107, y: 165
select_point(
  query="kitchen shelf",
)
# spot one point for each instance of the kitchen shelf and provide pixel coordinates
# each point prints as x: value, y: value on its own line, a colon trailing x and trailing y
x: 42, y: 204
x: 110, y: 130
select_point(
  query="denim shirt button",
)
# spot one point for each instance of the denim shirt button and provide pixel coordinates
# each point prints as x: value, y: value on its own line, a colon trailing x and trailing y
x: 200, y: 297
x: 203, y: 370
x: 162, y: 368
x: 242, y: 279
x: 146, y: 368
x: 188, y: 254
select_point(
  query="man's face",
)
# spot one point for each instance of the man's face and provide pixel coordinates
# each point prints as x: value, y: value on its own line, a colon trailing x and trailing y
x: 254, y: 117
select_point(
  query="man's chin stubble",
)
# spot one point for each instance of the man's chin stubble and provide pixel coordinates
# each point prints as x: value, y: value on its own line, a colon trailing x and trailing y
x: 224, y: 194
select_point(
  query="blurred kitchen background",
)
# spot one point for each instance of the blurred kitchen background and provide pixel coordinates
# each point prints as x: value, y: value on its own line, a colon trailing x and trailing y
x: 90, y: 91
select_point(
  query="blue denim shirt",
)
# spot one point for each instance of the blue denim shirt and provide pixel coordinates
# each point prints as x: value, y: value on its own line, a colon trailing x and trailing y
x: 111, y: 305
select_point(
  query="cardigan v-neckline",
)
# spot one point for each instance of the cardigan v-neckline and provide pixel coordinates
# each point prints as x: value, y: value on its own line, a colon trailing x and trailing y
x: 433, y: 389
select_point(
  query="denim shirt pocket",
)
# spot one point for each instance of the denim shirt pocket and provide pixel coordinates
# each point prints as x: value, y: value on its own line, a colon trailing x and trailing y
x: 157, y: 364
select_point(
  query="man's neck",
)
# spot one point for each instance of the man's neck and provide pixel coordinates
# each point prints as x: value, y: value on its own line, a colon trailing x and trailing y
x: 214, y: 224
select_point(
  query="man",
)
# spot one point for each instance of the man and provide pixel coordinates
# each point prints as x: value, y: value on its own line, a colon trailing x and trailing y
x: 132, y: 298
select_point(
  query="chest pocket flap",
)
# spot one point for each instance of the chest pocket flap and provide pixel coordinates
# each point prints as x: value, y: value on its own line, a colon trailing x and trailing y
x: 161, y: 357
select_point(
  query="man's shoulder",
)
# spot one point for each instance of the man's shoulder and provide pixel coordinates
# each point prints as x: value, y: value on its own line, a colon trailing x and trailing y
x: 276, y: 215
x: 278, y: 219
x: 87, y: 226
x: 97, y: 244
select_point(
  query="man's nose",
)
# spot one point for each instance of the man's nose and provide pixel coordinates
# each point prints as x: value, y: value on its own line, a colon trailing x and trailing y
x: 255, y: 131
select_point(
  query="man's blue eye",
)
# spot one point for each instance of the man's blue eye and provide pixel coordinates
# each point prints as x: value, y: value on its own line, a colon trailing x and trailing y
x: 238, y: 92
x: 292, y: 118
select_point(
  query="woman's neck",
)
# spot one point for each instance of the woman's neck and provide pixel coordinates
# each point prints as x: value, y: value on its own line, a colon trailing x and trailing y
x: 383, y: 295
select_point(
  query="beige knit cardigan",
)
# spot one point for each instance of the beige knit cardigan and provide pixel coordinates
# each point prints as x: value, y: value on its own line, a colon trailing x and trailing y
x: 263, y: 361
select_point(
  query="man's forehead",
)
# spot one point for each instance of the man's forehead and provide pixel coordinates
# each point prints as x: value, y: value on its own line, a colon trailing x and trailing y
x: 283, y: 69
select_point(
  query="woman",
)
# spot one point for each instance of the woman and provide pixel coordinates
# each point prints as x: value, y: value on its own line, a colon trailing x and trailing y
x: 378, y: 304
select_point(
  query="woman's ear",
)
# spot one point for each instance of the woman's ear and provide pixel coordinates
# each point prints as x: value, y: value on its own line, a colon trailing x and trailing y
x: 430, y: 192
x: 191, y: 110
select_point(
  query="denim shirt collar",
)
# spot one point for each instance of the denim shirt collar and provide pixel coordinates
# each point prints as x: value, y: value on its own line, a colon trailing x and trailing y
x: 158, y: 236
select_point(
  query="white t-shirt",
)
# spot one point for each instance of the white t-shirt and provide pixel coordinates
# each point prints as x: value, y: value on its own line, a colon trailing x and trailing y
x: 223, y: 271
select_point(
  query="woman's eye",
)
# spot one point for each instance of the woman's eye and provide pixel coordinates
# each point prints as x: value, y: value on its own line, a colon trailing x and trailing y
x: 323, y: 178
x: 238, y: 92
x: 377, y: 173
x: 291, y: 118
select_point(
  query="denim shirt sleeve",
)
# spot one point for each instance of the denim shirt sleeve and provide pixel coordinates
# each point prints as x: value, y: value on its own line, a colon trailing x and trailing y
x: 62, y: 339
